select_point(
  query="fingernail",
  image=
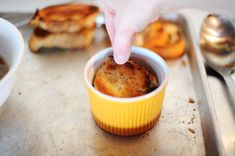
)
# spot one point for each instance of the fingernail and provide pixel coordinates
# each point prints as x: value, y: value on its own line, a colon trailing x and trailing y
x: 121, y: 58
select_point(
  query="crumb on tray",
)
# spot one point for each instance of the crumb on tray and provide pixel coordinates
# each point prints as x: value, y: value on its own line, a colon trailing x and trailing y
x: 191, y: 100
x: 191, y: 130
x: 183, y: 63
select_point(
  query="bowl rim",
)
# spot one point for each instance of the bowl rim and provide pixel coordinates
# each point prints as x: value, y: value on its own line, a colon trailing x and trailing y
x: 15, y: 65
x: 136, y: 50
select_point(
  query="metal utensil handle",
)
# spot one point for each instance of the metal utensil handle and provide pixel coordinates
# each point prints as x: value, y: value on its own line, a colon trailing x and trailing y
x: 231, y: 87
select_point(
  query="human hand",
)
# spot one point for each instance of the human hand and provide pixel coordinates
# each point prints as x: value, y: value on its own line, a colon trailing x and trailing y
x: 125, y: 18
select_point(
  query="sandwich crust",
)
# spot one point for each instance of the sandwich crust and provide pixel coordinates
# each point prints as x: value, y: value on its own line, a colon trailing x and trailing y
x: 65, y: 17
x: 127, y: 80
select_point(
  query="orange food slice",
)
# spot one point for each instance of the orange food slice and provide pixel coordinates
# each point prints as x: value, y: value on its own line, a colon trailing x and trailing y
x: 156, y: 26
x: 169, y: 52
x: 160, y: 40
x: 164, y: 38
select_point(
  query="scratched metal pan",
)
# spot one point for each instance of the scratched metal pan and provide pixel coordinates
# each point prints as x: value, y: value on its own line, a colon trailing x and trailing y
x: 209, y: 122
x: 48, y: 111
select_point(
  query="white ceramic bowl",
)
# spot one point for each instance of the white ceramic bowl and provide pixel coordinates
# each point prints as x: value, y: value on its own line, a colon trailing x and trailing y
x: 11, y: 49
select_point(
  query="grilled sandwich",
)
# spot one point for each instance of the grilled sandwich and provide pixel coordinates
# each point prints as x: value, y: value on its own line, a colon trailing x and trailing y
x: 66, y: 26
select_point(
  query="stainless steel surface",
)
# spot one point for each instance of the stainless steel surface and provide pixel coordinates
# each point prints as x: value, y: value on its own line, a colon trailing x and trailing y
x: 225, y: 115
x: 210, y: 127
x: 218, y: 90
x: 217, y: 42
x: 48, y: 111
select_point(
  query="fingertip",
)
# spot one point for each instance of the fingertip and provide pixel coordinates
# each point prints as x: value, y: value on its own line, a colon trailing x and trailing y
x: 121, y: 58
x: 122, y: 46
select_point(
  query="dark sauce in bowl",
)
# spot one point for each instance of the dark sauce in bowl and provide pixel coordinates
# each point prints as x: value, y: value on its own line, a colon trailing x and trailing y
x: 3, y: 68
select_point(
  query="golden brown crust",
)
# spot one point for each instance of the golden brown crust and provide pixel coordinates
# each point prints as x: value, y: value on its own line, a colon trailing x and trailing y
x: 65, y: 17
x: 127, y: 80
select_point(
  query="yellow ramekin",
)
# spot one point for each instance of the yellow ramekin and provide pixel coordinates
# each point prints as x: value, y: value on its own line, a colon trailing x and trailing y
x: 127, y: 116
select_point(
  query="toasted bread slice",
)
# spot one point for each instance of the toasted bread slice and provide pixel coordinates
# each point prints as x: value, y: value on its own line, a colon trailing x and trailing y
x: 127, y: 80
x: 43, y: 39
x: 65, y: 18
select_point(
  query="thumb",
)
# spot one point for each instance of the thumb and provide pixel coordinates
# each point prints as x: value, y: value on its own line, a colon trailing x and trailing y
x: 122, y: 45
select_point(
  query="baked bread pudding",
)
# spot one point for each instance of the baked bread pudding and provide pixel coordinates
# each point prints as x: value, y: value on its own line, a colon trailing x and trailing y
x: 128, y: 80
x: 66, y: 26
x: 164, y: 38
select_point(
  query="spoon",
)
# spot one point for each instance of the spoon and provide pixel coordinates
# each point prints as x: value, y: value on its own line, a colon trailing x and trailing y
x: 217, y: 42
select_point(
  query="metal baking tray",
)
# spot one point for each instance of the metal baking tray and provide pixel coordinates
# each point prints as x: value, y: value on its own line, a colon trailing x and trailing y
x: 224, y: 111
x: 48, y: 111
